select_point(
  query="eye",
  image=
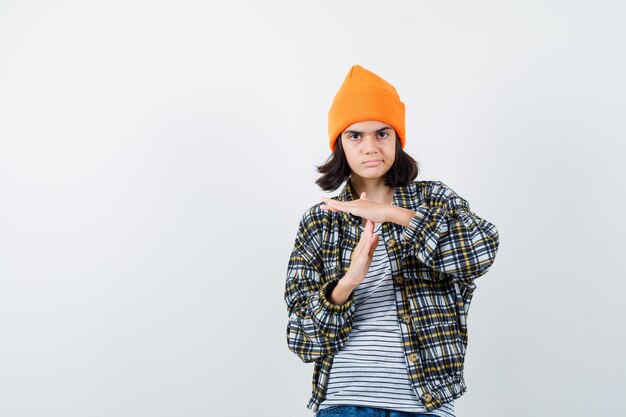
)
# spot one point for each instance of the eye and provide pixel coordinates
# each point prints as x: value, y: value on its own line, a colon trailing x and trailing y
x: 384, y: 133
x: 352, y: 135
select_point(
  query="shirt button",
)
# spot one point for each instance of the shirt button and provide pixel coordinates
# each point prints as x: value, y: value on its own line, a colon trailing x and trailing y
x: 391, y: 243
x: 413, y: 357
x: 406, y: 318
x: 427, y: 398
x: 399, y: 280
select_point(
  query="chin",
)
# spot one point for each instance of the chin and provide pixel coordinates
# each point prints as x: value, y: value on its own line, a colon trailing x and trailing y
x: 372, y: 174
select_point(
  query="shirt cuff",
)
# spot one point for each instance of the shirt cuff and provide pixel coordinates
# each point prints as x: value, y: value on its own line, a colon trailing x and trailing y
x: 325, y: 292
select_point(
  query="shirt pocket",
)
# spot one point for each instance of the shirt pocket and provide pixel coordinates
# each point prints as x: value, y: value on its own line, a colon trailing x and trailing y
x: 437, y: 324
x: 441, y: 347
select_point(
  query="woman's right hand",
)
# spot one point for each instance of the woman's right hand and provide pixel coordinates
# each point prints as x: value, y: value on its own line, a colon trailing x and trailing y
x: 362, y: 255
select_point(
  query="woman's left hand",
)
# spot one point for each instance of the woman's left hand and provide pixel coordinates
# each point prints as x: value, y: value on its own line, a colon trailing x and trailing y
x: 364, y: 208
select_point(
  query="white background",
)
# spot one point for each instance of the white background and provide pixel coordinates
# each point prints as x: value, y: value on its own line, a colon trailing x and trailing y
x: 156, y: 157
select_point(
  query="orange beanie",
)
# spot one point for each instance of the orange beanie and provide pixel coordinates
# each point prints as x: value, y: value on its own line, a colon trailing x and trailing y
x: 365, y: 96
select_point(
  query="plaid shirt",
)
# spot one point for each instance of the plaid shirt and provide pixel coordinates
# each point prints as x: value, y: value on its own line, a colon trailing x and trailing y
x: 434, y: 262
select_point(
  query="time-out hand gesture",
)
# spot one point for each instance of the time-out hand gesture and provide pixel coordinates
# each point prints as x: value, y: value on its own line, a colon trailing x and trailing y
x: 367, y: 209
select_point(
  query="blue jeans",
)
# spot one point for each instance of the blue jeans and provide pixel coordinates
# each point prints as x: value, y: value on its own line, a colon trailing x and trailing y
x: 359, y: 411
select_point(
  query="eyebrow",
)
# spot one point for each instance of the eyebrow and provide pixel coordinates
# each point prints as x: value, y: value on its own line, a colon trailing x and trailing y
x: 379, y: 130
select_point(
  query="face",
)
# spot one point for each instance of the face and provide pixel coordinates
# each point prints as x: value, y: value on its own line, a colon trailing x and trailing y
x: 370, y: 148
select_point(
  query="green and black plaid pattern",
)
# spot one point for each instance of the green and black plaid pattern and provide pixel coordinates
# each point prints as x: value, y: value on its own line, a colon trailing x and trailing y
x: 434, y: 262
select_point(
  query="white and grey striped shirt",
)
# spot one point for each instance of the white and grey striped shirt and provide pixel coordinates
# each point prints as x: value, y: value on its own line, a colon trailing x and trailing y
x: 371, y: 369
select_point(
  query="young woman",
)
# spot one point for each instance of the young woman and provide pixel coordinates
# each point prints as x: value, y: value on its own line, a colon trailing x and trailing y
x: 380, y: 278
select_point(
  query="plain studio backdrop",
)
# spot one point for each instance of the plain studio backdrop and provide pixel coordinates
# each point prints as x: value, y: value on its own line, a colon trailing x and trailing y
x: 156, y: 157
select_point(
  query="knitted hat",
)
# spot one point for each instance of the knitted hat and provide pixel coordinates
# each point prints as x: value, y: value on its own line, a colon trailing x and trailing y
x: 365, y: 96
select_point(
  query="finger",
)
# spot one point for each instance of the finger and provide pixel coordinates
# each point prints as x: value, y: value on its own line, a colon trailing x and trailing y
x: 370, y: 233
x: 329, y: 200
x: 368, y: 227
x: 365, y: 235
x: 373, y: 245
x: 359, y: 249
x: 339, y: 205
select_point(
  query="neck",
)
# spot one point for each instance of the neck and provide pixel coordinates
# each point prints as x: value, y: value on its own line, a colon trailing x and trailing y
x: 374, y: 188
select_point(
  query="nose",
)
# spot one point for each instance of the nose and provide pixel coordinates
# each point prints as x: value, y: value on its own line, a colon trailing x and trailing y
x: 370, y: 145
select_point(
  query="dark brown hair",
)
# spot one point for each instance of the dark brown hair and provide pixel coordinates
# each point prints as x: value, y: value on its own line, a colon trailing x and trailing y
x: 336, y: 169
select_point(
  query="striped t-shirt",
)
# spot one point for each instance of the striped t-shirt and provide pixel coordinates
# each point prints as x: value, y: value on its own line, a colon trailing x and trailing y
x: 371, y: 369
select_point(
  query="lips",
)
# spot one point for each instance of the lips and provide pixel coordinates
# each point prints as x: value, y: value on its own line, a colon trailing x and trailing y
x: 372, y: 163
